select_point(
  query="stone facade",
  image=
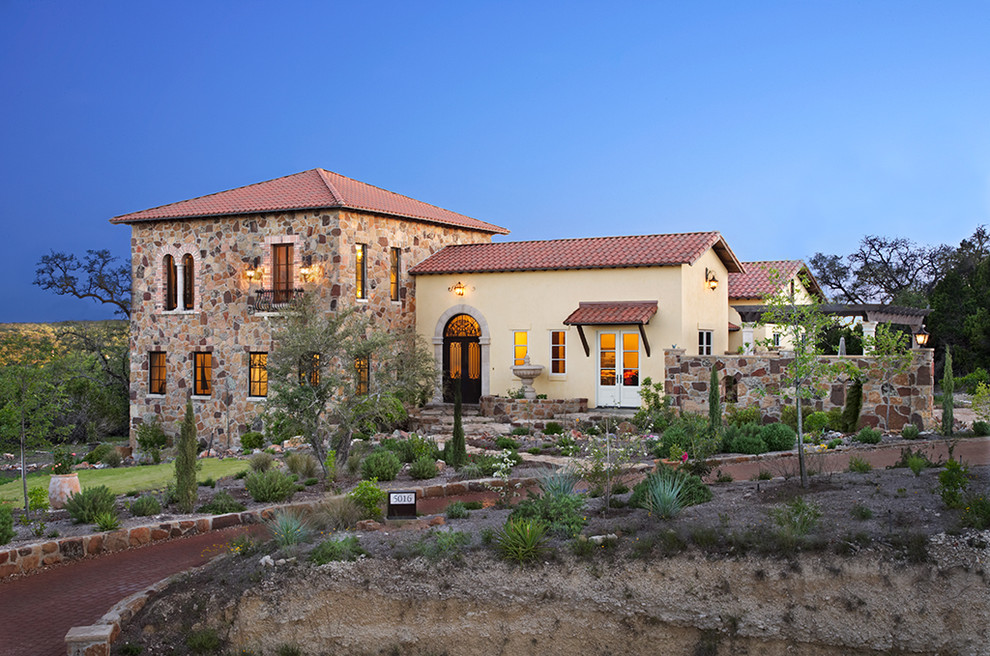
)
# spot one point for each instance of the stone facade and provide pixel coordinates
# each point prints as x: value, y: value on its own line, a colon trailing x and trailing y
x: 687, y: 381
x: 222, y: 321
x: 508, y: 410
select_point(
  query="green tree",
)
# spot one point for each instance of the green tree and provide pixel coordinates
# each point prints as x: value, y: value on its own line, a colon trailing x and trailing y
x: 315, y: 378
x: 714, y: 404
x: 948, y: 389
x: 891, y: 352
x: 185, y: 462
x: 806, y: 373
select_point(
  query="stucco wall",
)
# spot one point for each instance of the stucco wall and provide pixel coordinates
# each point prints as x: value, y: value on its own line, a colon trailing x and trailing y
x: 761, y: 333
x: 687, y: 380
x: 221, y: 323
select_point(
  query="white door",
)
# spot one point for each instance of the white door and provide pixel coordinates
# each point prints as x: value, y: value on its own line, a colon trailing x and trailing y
x: 618, y: 369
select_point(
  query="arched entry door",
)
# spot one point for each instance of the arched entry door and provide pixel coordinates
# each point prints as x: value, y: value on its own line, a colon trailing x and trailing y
x: 462, y: 359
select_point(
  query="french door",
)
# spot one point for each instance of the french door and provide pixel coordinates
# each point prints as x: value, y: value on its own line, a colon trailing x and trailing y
x: 618, y: 369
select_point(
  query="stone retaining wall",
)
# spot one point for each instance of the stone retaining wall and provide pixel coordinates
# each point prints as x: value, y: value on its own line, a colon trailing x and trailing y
x: 509, y: 410
x: 758, y: 381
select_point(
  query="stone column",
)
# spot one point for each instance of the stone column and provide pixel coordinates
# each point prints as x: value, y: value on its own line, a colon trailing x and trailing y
x: 869, y: 332
x: 747, y: 338
x: 438, y: 354
x: 180, y: 284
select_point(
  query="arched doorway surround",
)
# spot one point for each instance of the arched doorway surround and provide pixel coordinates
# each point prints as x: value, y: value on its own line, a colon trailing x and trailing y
x: 461, y: 344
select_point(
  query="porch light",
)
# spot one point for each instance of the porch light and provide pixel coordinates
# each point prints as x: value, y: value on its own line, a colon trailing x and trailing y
x: 711, y: 282
x: 253, y: 273
x: 458, y: 289
x: 921, y: 337
x: 306, y: 270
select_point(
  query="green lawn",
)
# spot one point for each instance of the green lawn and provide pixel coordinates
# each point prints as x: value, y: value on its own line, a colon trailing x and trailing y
x: 124, y: 479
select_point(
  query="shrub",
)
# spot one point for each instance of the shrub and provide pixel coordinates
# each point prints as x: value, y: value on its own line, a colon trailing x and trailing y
x: 101, y: 450
x: 748, y: 443
x: 868, y: 435
x: 457, y: 510
x: 84, y: 506
x: 444, y: 545
x: 834, y: 443
x: 338, y: 512
x: 6, y: 523
x: 560, y: 482
x: 343, y: 549
x: 521, y: 430
x: 735, y: 430
x: 952, y: 483
x: 972, y: 381
x: 302, y: 464
x: 261, y: 462
x: 690, y: 433
x: 976, y: 513
x: 656, y: 414
x: 207, y: 482
x: 382, y: 465
x: 835, y: 420
x: 369, y: 497
x: 814, y: 422
x: 270, y: 486
x: 665, y: 496
x: 521, y: 541
x: 917, y: 463
x: 253, y: 440
x: 112, y: 458
x: 910, y: 432
x: 331, y: 465
x: 151, y: 439
x: 504, y: 442
x: 797, y: 517
x: 981, y: 428
x: 694, y: 490
x: 425, y: 467
x: 779, y: 437
x: 204, y: 641
x: 145, y: 506
x: 788, y: 415
x: 62, y: 460
x: 553, y: 428
x: 559, y: 513
x: 859, y: 465
x: 861, y: 512
x: 38, y: 498
x: 288, y: 528
x: 222, y: 503
x: 107, y: 521
x: 736, y: 416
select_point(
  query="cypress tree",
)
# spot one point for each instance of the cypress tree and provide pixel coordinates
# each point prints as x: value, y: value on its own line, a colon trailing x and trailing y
x: 948, y: 387
x: 714, y: 404
x: 854, y: 405
x: 457, y: 456
x: 185, y: 462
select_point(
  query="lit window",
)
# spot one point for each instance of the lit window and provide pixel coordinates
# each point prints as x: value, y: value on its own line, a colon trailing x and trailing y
x: 704, y: 342
x: 282, y: 282
x: 258, y: 375
x: 309, y: 370
x: 558, y: 352
x: 187, y: 281
x: 361, y: 366
x: 171, y: 286
x: 156, y: 372
x: 520, y: 340
x: 361, y: 271
x: 202, y: 373
x: 393, y: 273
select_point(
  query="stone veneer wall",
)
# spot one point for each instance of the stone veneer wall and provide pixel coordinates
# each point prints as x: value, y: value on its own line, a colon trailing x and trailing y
x: 220, y: 323
x: 687, y: 380
x: 508, y: 410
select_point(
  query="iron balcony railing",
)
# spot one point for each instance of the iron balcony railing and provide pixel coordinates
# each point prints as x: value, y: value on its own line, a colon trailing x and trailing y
x: 274, y: 300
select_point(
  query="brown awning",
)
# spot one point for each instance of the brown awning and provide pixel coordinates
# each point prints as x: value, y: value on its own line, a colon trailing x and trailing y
x: 611, y: 313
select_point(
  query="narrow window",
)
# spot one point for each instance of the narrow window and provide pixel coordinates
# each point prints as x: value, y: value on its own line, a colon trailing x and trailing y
x: 170, y: 283
x: 731, y: 390
x: 776, y: 339
x: 520, y: 340
x: 361, y: 271
x: 156, y: 372
x: 558, y: 352
x: 362, y: 368
x: 258, y: 375
x: 393, y: 273
x: 202, y: 373
x: 309, y: 370
x: 704, y: 342
x: 187, y: 281
x: 281, y: 273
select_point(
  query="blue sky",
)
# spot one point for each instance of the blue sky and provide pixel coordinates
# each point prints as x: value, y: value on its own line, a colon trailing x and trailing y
x: 790, y: 127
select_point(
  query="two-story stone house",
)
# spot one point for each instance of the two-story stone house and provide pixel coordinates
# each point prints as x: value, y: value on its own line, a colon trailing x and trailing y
x: 210, y: 273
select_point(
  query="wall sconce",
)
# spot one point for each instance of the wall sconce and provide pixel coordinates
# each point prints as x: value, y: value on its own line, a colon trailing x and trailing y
x: 458, y: 289
x: 921, y: 337
x: 306, y: 270
x: 711, y: 282
x: 253, y: 273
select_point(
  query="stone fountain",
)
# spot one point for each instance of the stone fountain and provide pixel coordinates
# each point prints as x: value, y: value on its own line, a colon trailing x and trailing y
x: 527, y: 373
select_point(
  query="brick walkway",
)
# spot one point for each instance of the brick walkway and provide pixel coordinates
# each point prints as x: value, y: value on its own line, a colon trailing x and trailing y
x: 37, y: 611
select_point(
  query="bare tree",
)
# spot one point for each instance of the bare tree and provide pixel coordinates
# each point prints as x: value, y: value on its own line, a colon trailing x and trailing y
x: 98, y: 276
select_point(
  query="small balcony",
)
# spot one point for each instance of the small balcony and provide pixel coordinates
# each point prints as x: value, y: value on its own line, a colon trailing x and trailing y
x: 273, y: 300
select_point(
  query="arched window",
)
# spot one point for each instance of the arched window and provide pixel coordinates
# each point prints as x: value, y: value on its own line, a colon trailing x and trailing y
x: 731, y: 390
x: 187, y: 282
x: 171, y: 283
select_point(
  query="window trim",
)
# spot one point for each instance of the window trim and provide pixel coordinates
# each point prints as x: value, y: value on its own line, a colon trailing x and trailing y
x: 563, y: 358
x: 159, y: 368
x: 202, y: 361
x: 261, y: 381
x: 361, y: 272
x: 706, y: 344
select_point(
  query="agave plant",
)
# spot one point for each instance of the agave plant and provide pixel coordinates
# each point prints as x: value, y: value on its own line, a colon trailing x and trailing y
x: 288, y: 528
x: 521, y: 540
x: 665, y: 496
x: 558, y: 482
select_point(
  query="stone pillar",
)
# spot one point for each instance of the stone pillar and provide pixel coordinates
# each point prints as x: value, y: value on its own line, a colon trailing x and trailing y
x: 869, y: 332
x: 180, y: 285
x: 438, y: 354
x: 747, y: 338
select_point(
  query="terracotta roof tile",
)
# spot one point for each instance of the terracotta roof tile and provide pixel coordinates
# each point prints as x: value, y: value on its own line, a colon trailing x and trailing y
x: 755, y: 282
x: 600, y: 313
x: 313, y: 189
x: 590, y: 253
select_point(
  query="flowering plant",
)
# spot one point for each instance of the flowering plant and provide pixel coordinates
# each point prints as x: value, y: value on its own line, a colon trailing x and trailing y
x: 64, y: 459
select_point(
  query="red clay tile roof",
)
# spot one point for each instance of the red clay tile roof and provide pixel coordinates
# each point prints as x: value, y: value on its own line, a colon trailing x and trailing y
x: 755, y: 282
x: 600, y: 313
x: 313, y: 189
x: 591, y: 253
